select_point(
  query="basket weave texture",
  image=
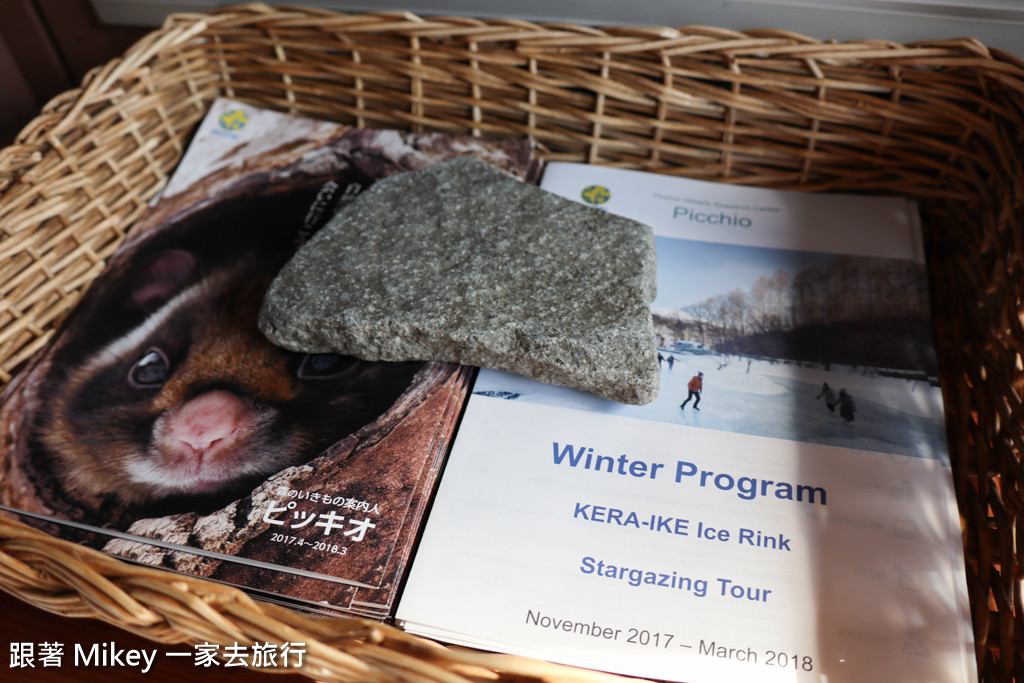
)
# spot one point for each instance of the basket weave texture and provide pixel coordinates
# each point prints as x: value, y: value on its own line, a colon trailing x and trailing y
x: 939, y: 121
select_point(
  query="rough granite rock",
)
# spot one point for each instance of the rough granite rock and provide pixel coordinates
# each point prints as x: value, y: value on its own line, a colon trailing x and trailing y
x: 461, y: 262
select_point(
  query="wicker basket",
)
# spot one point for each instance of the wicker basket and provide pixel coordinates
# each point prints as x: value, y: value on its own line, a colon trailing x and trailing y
x: 940, y: 121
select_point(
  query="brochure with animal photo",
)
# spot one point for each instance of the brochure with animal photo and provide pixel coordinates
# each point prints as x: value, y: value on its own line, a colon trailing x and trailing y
x: 782, y: 511
x: 161, y: 426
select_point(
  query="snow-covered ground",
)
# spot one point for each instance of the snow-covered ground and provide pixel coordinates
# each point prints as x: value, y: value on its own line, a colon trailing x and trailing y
x: 762, y: 398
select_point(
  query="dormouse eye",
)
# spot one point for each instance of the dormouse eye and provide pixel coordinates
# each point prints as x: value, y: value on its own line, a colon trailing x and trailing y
x: 325, y: 366
x: 152, y: 370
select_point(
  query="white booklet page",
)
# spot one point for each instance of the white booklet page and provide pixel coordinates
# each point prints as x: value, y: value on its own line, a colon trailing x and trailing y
x: 792, y: 519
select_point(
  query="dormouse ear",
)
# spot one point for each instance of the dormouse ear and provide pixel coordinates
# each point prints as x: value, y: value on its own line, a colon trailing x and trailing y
x: 160, y: 277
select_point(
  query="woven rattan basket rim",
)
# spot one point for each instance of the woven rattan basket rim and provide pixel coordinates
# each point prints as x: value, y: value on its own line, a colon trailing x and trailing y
x: 46, y: 187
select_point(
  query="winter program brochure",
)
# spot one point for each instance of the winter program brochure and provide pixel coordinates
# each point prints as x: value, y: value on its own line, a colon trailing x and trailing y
x: 783, y: 511
x: 162, y: 427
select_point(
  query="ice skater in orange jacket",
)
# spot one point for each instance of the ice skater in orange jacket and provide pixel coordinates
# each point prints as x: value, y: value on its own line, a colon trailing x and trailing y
x: 695, y: 385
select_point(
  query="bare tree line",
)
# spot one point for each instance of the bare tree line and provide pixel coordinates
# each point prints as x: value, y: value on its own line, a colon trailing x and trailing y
x: 852, y: 289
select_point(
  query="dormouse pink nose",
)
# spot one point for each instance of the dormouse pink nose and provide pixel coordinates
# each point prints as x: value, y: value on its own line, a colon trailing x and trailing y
x: 208, y: 421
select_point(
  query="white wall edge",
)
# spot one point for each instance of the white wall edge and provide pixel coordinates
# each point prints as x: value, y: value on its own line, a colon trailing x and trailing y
x: 996, y: 23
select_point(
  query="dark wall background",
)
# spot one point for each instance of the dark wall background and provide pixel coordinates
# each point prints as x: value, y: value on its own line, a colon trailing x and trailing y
x: 46, y: 47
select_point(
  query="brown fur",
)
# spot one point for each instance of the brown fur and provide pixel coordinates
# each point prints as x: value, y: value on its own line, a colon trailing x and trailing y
x: 108, y: 439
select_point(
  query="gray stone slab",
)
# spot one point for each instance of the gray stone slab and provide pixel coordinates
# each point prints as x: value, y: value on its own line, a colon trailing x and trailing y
x: 462, y: 262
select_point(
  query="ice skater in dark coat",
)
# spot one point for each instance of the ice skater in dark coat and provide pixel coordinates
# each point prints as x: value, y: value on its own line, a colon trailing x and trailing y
x: 847, y: 409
